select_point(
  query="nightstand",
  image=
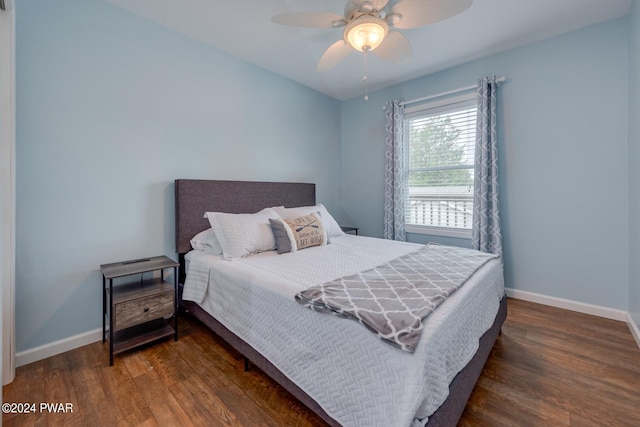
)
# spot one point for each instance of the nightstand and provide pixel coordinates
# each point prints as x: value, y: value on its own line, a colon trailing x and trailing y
x: 138, y: 310
x: 353, y: 230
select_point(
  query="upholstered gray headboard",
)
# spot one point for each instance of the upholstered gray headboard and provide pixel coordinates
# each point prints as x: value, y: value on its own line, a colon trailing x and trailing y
x: 194, y: 197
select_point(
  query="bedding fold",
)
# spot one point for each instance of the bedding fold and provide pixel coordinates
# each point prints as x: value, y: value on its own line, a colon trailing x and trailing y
x: 394, y: 298
x: 197, y: 281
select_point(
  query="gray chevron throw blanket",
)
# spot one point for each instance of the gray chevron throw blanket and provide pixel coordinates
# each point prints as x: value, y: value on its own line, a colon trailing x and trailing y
x: 394, y: 298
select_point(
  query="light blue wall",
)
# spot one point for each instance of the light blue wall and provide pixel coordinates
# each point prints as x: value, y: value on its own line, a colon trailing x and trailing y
x: 110, y: 110
x: 634, y: 161
x: 563, y: 161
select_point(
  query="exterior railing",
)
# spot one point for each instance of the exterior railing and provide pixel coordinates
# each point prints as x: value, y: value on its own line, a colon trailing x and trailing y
x: 441, y: 210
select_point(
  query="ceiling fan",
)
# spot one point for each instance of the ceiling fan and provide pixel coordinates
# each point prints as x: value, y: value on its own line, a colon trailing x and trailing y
x: 369, y: 26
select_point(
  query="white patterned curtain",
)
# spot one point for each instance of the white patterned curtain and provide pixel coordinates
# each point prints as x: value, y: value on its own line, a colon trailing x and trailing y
x: 486, y: 235
x: 394, y: 185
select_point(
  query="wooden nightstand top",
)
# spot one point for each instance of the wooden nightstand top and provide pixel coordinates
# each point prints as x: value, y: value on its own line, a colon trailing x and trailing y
x: 127, y: 268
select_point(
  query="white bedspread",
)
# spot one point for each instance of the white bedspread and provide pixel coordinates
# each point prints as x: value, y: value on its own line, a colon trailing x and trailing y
x: 357, y: 379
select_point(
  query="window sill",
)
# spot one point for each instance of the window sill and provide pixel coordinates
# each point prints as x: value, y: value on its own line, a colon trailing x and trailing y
x: 439, y: 231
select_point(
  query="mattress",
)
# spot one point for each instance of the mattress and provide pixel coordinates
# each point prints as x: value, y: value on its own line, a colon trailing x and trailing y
x: 355, y: 377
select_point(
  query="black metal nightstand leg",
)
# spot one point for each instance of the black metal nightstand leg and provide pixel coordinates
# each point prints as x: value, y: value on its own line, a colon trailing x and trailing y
x: 175, y: 314
x: 104, y: 308
x: 111, y: 323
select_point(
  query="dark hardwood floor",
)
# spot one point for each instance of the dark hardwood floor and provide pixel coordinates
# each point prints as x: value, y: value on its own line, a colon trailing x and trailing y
x: 549, y: 367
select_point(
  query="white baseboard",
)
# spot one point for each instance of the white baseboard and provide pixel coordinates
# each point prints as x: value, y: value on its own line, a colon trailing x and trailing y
x: 71, y: 343
x: 580, y: 307
x: 57, y: 347
x: 635, y: 329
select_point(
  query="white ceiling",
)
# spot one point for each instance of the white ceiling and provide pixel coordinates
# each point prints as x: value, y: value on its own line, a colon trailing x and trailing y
x: 243, y: 28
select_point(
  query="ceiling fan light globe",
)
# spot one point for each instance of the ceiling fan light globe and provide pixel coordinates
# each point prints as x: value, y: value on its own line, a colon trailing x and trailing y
x: 366, y: 32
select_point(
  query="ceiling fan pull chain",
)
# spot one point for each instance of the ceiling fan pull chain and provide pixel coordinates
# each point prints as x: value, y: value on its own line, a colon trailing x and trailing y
x: 364, y: 78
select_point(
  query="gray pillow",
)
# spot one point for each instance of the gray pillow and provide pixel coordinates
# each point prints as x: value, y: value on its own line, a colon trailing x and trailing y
x: 283, y: 244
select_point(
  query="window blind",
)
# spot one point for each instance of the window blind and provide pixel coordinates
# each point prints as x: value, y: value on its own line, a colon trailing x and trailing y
x: 440, y: 148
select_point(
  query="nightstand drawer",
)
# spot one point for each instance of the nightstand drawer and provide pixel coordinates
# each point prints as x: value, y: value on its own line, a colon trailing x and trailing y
x: 140, y: 310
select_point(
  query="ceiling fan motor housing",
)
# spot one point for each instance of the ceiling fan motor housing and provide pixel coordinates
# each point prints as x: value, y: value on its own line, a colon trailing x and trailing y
x: 355, y: 9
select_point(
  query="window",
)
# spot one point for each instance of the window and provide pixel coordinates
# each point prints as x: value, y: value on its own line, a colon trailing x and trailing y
x: 440, y: 142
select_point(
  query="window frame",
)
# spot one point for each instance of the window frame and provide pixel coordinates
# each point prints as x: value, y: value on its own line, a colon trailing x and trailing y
x: 421, y: 110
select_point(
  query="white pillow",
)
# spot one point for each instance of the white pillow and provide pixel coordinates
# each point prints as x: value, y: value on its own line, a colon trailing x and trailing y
x: 206, y: 240
x: 333, y: 229
x: 240, y: 235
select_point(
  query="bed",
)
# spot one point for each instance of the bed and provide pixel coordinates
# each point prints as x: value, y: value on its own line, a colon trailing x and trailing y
x: 367, y: 370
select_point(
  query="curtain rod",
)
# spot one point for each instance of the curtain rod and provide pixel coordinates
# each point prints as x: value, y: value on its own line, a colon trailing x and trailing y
x: 449, y: 92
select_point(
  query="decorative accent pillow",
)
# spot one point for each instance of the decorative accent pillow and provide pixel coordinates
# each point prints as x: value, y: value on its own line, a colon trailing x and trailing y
x: 206, y: 240
x: 240, y: 235
x: 299, y: 233
x: 332, y: 227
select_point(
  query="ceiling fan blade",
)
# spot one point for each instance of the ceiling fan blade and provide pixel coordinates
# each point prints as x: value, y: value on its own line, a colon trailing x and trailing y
x: 394, y: 48
x: 418, y: 13
x: 310, y: 19
x: 333, y: 55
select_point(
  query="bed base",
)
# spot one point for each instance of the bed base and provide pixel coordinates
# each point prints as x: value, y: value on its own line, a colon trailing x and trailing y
x: 462, y: 385
x: 447, y: 415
